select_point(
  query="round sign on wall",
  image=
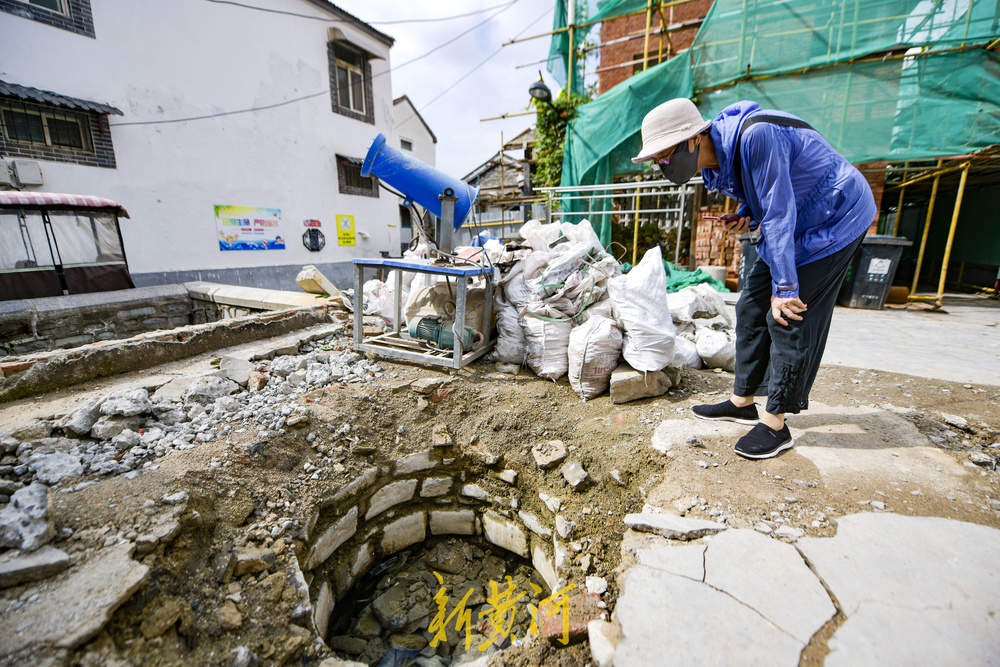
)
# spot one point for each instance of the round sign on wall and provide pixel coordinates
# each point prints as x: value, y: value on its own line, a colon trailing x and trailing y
x: 313, y: 239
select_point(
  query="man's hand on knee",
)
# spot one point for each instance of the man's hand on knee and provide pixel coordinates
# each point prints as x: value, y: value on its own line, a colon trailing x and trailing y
x: 790, y: 308
x: 735, y: 223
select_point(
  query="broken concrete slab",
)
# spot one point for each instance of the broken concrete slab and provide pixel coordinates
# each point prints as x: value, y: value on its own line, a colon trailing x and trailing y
x: 916, y: 590
x: 76, y: 607
x: 771, y: 577
x: 53, y: 468
x: 628, y: 384
x: 549, y: 453
x: 672, y: 526
x: 603, y: 637
x: 18, y: 567
x: 427, y: 384
x: 236, y: 369
x: 662, y: 614
x: 172, y: 391
x: 128, y: 403
x: 24, y: 522
x: 687, y: 560
x: 208, y: 388
x: 574, y: 473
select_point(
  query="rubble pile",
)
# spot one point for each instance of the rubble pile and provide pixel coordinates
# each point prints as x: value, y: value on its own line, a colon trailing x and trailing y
x: 564, y: 307
x: 124, y: 432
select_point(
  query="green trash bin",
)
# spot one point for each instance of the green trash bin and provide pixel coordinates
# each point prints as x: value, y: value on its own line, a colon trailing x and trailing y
x: 871, y: 272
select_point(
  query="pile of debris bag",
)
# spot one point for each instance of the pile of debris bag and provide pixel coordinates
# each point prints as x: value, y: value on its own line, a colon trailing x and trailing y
x: 564, y: 307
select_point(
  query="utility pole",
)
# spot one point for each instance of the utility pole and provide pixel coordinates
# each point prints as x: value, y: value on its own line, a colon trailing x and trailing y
x: 571, y: 20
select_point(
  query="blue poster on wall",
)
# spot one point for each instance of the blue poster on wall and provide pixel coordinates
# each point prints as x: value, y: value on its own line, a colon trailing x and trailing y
x: 249, y: 228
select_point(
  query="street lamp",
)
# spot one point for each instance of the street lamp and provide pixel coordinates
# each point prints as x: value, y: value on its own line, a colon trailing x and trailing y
x: 540, y: 92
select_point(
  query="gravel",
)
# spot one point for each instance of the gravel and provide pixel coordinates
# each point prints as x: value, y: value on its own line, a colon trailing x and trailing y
x: 125, y: 432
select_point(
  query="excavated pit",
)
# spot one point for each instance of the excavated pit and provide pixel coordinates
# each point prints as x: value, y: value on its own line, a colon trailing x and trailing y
x: 391, y: 610
x: 374, y: 547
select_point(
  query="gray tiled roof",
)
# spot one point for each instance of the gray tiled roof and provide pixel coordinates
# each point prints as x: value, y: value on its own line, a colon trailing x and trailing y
x: 55, y: 99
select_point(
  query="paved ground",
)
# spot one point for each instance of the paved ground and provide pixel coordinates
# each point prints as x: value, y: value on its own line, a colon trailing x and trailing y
x: 960, y: 343
x: 886, y: 590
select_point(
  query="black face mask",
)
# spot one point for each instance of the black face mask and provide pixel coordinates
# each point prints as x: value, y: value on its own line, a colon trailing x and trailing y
x: 683, y: 164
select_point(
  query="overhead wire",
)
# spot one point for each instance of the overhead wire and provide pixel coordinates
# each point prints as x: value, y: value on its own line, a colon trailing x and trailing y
x: 442, y: 18
x: 326, y: 91
x: 325, y: 19
x: 475, y: 68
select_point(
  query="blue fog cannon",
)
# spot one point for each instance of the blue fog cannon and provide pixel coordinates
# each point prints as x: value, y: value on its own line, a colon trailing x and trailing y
x: 448, y: 198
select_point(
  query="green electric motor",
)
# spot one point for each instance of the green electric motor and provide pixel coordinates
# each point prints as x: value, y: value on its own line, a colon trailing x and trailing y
x: 439, y: 332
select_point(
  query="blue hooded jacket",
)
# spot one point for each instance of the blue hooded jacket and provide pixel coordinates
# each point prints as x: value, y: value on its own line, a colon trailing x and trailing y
x: 807, y: 200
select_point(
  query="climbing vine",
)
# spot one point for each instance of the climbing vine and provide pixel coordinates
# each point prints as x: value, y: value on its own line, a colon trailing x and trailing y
x: 550, y: 136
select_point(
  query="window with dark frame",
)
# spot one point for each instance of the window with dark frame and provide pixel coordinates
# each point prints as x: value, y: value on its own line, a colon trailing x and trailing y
x: 350, y: 180
x: 406, y: 144
x: 350, y: 81
x: 50, y: 132
x: 58, y: 6
x: 50, y: 128
x: 72, y: 15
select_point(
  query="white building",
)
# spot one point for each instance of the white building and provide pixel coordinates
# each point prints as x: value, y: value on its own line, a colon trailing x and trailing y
x: 185, y: 111
x: 416, y: 137
x: 415, y: 134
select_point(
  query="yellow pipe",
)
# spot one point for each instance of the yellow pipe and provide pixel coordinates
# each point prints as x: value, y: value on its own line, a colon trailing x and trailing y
x: 572, y: 55
x: 899, y: 211
x: 899, y: 206
x: 645, y: 44
x: 635, y: 224
x: 951, y: 230
x: 923, y: 238
x: 936, y: 172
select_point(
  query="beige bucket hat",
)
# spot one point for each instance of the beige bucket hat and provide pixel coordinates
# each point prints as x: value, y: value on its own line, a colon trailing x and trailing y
x: 669, y: 124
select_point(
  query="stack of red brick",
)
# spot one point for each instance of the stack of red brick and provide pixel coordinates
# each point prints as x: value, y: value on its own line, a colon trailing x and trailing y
x: 713, y: 245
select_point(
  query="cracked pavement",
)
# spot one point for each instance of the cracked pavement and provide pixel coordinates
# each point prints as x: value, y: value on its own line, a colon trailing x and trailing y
x: 909, y: 590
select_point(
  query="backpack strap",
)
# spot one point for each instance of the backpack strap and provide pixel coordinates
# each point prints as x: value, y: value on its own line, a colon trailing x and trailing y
x: 762, y: 118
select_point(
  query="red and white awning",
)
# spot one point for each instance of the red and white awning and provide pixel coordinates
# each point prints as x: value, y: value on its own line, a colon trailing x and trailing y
x: 16, y: 198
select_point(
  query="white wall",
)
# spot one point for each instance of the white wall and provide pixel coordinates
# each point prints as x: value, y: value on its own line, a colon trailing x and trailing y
x: 408, y: 126
x: 161, y: 60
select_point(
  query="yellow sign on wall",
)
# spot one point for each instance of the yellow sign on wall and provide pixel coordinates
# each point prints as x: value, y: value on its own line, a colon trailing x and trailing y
x: 345, y: 230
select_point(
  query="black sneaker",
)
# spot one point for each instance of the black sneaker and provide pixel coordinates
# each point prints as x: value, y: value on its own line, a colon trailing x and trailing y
x: 726, y: 411
x: 763, y: 442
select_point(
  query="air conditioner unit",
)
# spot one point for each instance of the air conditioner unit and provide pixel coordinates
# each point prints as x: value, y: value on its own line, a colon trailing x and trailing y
x: 28, y: 172
x: 6, y: 175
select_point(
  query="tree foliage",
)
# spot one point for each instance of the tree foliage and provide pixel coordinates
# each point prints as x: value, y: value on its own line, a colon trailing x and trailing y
x: 550, y: 136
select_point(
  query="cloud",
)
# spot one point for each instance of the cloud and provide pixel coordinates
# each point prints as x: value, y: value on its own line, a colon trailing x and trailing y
x: 496, y: 88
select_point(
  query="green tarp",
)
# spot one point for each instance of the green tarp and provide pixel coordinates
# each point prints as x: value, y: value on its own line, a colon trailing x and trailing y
x: 881, y: 79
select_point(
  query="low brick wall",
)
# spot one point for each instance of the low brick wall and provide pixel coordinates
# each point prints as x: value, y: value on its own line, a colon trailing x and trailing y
x: 57, y: 322
x: 31, y: 374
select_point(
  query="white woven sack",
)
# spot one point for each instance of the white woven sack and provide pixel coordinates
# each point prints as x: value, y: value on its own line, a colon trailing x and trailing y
x: 716, y: 348
x: 685, y: 354
x: 511, y: 347
x: 639, y: 302
x: 547, y: 339
x: 594, y: 350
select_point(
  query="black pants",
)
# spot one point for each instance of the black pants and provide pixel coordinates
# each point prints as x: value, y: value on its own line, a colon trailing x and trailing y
x: 777, y: 361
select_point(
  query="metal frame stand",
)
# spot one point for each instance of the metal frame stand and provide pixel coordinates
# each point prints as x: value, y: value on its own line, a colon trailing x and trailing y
x: 393, y: 344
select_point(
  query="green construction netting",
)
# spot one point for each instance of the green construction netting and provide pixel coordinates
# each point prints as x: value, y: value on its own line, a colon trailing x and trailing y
x: 881, y: 79
x: 586, y: 11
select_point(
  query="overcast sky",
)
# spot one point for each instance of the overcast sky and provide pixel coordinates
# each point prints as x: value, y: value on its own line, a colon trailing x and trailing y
x: 463, y: 141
